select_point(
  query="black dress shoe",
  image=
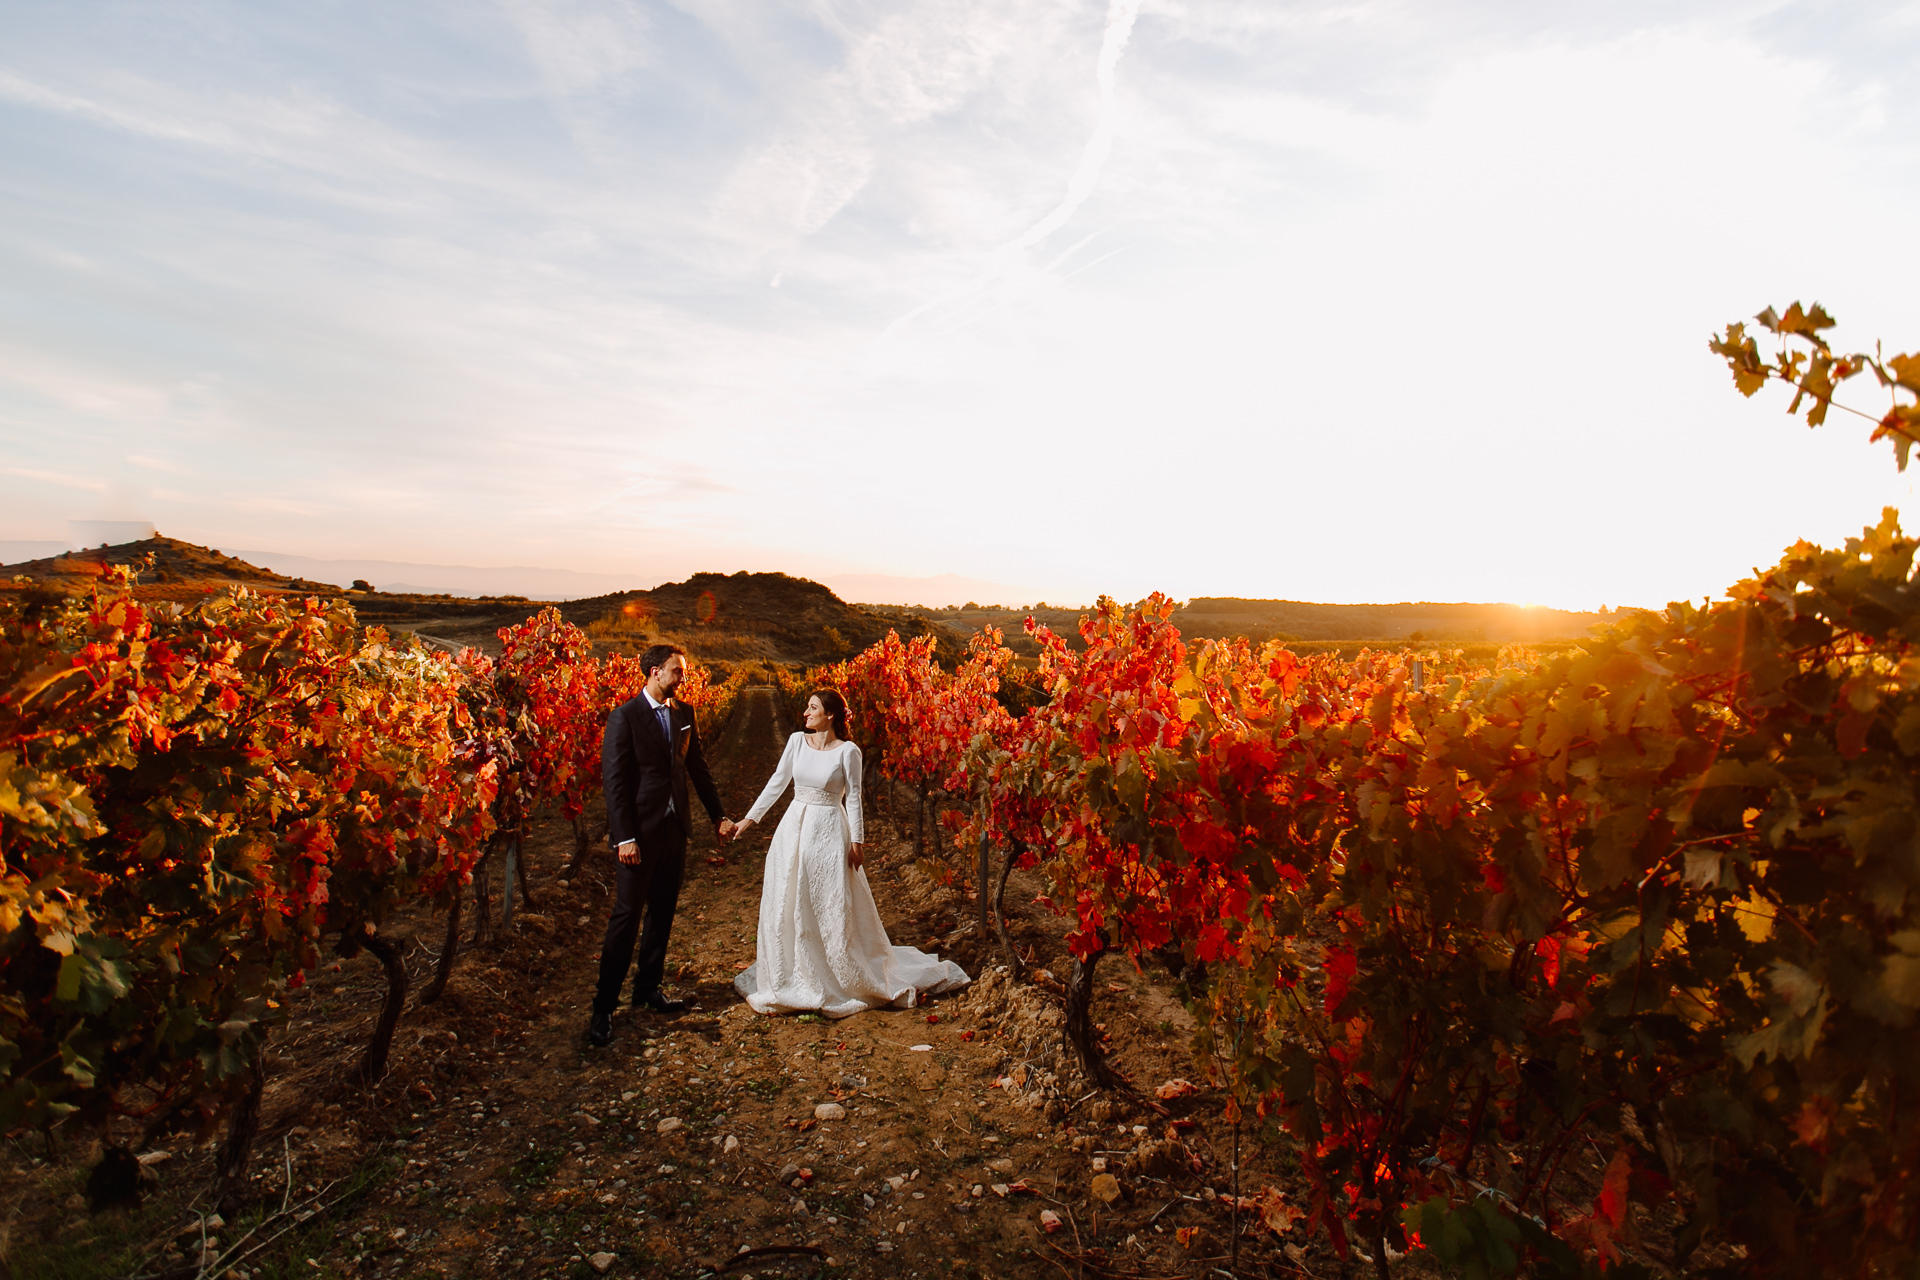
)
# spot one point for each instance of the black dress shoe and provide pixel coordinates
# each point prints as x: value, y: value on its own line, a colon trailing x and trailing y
x: 659, y: 1003
x: 600, y: 1030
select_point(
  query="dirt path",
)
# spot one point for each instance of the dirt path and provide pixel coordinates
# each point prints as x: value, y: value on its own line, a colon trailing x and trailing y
x: 499, y: 1144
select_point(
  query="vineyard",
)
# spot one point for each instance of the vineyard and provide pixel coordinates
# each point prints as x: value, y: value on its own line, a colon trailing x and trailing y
x: 1599, y: 960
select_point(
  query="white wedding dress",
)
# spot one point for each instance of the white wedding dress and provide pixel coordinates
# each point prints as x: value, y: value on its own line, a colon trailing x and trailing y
x: 821, y: 946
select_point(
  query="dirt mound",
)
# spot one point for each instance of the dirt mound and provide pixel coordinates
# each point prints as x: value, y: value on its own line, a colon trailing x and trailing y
x: 1027, y: 1022
x: 1162, y: 1158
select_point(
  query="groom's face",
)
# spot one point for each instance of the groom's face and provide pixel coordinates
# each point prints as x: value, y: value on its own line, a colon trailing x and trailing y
x: 667, y: 678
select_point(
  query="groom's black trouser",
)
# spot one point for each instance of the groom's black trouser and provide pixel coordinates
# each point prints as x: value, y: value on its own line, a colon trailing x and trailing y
x: 655, y: 890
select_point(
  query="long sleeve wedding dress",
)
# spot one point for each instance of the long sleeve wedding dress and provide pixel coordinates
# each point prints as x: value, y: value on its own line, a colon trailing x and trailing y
x: 821, y: 946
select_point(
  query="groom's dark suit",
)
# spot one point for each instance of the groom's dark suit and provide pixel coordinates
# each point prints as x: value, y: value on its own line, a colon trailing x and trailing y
x: 647, y: 758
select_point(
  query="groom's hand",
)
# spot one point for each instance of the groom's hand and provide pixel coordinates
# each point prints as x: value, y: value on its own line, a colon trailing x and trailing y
x: 629, y: 852
x: 725, y: 828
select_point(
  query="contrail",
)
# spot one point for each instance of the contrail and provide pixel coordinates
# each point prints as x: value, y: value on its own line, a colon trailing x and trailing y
x: 1120, y: 17
x: 1119, y: 29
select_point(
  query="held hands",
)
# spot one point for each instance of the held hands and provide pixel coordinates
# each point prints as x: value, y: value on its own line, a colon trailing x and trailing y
x: 730, y: 830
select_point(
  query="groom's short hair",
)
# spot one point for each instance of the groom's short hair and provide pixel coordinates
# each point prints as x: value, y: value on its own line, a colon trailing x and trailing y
x: 656, y: 657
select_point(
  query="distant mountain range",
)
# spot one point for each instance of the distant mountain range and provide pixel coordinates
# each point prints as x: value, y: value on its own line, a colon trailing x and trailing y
x: 1422, y: 620
x: 941, y: 591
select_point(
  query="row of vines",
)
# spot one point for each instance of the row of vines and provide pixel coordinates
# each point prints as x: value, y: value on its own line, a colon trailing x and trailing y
x: 1651, y: 905
x: 198, y: 804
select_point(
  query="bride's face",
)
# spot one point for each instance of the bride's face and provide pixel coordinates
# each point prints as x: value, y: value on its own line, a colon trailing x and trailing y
x: 816, y: 716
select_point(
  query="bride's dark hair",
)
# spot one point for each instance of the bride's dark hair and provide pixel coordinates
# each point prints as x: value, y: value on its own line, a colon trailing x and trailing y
x: 836, y: 708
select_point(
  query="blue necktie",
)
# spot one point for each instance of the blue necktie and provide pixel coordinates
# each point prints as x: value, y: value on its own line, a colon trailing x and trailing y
x: 666, y: 727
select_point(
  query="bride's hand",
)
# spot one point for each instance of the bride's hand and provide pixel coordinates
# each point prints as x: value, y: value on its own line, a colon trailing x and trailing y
x: 856, y: 856
x: 740, y: 828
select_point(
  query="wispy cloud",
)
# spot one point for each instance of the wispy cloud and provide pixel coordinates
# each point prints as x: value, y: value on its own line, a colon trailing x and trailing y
x: 1008, y: 260
x: 89, y: 484
x: 895, y: 84
x: 580, y: 45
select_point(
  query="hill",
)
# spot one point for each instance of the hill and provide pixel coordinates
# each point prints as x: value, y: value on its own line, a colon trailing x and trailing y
x: 744, y: 617
x: 160, y: 561
x: 170, y: 569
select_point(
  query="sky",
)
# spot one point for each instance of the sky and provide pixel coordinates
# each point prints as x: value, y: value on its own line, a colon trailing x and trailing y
x: 1340, y: 302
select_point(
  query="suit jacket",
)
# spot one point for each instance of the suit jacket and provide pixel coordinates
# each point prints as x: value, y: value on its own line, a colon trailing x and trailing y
x: 640, y: 774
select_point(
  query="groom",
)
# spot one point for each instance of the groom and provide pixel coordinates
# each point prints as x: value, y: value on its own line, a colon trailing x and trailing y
x: 650, y: 752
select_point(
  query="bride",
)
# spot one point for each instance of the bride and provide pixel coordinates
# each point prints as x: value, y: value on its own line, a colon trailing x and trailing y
x: 821, y: 945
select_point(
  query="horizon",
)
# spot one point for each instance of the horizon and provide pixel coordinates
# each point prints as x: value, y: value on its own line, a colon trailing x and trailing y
x: 14, y: 552
x: 1225, y: 299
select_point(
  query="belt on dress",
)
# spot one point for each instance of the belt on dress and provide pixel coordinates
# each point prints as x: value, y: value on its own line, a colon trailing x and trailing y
x: 814, y: 795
